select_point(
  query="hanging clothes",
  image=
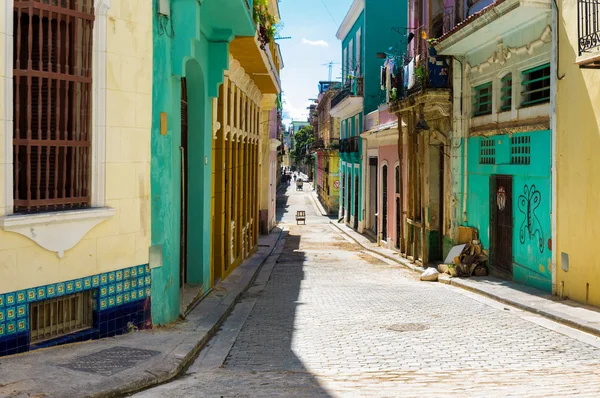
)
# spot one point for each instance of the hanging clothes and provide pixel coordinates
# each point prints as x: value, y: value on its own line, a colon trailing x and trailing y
x: 383, y: 77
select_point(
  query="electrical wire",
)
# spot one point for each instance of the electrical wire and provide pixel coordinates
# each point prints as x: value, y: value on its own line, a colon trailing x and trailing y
x: 329, y: 12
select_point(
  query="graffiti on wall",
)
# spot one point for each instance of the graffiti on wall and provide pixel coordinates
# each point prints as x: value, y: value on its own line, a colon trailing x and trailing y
x: 531, y: 227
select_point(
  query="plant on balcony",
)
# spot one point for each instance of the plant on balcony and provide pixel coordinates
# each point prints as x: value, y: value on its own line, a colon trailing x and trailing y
x: 265, y: 22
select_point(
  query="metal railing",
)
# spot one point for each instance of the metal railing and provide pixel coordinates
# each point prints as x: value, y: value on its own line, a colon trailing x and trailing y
x: 349, y: 145
x: 353, y: 87
x: 588, y: 25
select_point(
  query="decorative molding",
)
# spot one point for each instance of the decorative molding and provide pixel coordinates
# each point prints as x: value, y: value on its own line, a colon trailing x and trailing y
x: 56, y: 231
x: 503, y: 54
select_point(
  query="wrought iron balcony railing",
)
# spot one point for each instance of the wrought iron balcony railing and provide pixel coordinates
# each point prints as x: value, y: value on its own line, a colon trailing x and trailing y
x: 349, y: 145
x: 588, y: 25
x: 352, y: 88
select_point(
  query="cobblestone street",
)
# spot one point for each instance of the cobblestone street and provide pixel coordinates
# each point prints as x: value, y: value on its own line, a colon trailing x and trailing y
x: 326, y: 318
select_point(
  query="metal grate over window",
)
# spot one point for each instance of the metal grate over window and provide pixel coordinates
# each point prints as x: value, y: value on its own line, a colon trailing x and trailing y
x: 536, y: 86
x: 520, y: 149
x: 52, y: 68
x: 487, y: 152
x: 56, y: 317
x: 482, y: 99
x: 506, y: 93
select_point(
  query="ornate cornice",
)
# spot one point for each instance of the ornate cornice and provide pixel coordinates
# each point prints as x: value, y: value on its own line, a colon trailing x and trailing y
x: 502, y: 54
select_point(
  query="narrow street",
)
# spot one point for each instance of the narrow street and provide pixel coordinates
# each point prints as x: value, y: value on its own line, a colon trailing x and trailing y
x: 327, y: 319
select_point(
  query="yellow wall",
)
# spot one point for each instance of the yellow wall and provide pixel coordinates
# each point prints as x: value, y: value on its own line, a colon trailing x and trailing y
x: 578, y: 165
x: 123, y: 240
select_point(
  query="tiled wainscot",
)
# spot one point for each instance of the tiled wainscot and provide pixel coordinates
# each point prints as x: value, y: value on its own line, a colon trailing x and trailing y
x: 88, y: 308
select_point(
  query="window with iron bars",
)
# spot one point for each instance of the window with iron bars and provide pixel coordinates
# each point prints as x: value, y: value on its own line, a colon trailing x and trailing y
x: 52, y: 69
x: 482, y: 99
x: 588, y: 25
x: 506, y: 93
x: 536, y: 86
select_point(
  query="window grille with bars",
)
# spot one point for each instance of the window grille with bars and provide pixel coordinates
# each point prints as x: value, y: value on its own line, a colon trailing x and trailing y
x: 487, y: 152
x: 506, y: 93
x: 52, y: 69
x: 482, y: 99
x: 536, y: 86
x: 56, y: 317
x: 520, y: 150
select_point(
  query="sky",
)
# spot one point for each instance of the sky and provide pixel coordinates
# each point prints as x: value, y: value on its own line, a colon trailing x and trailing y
x: 312, y: 25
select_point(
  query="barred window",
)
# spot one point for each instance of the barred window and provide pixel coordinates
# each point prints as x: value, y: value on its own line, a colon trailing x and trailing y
x: 482, y: 99
x: 52, y: 69
x: 506, y: 93
x: 536, y: 86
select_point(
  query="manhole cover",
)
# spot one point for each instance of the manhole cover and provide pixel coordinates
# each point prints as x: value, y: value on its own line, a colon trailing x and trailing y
x: 408, y: 327
x: 110, y: 361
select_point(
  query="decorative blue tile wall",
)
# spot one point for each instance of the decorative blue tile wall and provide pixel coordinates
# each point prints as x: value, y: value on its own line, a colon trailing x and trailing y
x: 121, y: 302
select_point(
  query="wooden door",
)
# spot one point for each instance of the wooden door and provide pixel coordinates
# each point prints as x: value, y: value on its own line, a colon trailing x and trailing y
x: 501, y: 222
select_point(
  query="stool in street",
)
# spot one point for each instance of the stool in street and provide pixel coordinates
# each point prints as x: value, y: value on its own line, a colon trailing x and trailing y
x: 300, y: 216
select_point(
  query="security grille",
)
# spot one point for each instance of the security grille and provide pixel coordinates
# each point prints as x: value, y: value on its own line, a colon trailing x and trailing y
x: 536, y: 86
x: 52, y: 68
x: 384, y: 204
x: 520, y: 150
x: 487, y: 152
x: 506, y: 93
x: 59, y: 316
x: 482, y: 99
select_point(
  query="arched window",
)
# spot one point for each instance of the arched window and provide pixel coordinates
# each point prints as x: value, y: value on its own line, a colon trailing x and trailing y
x: 506, y: 93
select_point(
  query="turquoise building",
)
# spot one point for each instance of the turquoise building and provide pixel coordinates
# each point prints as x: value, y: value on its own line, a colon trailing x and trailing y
x: 191, y: 52
x: 367, y: 29
x: 503, y: 141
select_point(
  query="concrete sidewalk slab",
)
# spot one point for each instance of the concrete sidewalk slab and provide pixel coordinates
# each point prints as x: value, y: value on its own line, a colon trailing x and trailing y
x: 567, y: 312
x: 115, y: 366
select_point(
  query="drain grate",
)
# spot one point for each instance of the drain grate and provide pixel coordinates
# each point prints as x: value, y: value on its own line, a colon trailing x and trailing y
x: 110, y: 361
x: 408, y: 327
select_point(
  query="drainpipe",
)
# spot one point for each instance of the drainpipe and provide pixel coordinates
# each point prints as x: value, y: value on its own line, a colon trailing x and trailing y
x: 553, y: 91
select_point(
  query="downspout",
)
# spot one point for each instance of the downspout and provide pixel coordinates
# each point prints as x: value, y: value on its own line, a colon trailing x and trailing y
x: 553, y: 91
x: 465, y: 143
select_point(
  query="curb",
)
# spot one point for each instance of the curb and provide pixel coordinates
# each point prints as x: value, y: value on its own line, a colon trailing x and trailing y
x: 456, y: 282
x: 398, y: 260
x: 189, y: 349
x: 316, y: 202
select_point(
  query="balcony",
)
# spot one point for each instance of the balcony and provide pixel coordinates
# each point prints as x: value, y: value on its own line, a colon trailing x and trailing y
x: 259, y: 55
x: 231, y: 16
x: 349, y: 145
x: 588, y: 33
x: 349, y: 100
x: 419, y: 77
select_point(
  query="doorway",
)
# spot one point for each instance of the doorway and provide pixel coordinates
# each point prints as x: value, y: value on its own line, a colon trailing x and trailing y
x: 384, y: 203
x: 356, y: 203
x: 183, y: 149
x: 501, y: 222
x: 348, y: 198
x: 373, y: 196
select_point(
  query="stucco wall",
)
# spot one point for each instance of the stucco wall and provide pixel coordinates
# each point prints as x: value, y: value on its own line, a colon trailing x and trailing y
x: 577, y: 146
x: 388, y: 155
x: 123, y: 240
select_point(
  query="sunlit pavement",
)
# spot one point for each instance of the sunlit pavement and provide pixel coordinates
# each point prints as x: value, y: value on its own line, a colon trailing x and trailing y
x: 326, y: 318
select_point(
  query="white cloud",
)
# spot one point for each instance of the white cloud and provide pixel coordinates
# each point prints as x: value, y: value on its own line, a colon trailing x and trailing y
x: 321, y: 43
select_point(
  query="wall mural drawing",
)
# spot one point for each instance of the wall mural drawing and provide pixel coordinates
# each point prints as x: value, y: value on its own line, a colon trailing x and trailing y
x: 531, y: 226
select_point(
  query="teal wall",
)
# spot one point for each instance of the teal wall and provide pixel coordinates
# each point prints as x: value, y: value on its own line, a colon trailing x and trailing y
x: 531, y: 254
x: 193, y: 44
x: 351, y: 36
x: 349, y: 130
x: 380, y: 17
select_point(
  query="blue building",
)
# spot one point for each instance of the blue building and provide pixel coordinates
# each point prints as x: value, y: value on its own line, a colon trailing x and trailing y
x: 367, y: 29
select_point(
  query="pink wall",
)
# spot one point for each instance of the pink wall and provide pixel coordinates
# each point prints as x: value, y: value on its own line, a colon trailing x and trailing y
x: 273, y: 123
x: 388, y: 154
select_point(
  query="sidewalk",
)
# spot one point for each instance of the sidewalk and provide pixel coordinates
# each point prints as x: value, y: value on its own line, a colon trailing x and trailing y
x: 127, y: 363
x: 570, y: 313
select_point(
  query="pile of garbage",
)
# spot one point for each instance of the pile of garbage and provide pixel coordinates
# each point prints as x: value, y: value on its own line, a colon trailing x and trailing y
x: 472, y: 260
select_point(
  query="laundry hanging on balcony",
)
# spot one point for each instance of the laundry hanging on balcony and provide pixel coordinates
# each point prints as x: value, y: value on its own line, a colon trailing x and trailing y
x: 383, y: 78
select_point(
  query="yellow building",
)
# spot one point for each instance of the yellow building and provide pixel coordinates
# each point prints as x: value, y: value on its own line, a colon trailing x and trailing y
x: 242, y: 165
x: 577, y: 162
x: 74, y: 205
